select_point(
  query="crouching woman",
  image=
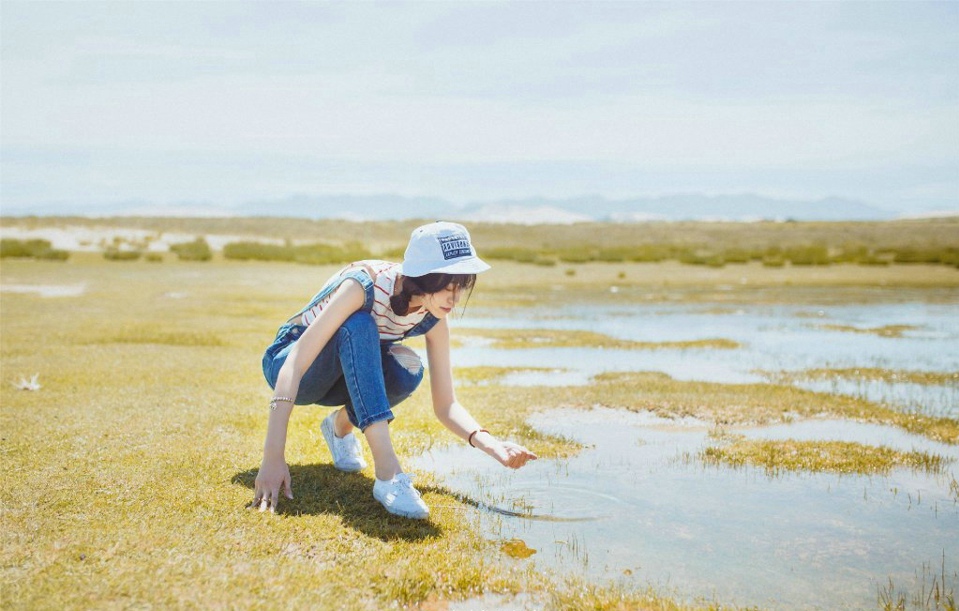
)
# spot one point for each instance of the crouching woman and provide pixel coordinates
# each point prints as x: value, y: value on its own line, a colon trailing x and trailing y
x: 343, y: 349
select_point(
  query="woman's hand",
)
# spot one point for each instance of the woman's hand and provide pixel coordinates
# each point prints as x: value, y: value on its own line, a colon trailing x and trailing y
x: 274, y: 475
x: 509, y: 454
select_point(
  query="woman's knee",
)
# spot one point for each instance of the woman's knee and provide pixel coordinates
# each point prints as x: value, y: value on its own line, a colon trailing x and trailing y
x: 359, y: 322
x: 403, y: 371
x: 407, y: 359
x: 358, y: 330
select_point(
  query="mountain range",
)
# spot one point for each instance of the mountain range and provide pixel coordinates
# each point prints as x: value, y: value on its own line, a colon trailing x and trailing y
x: 538, y: 210
x: 680, y: 207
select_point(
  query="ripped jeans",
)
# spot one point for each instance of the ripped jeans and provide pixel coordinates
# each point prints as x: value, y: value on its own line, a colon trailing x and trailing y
x: 354, y: 369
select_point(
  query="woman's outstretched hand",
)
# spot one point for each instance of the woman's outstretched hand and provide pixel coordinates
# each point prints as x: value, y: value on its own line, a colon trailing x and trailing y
x: 509, y: 454
x: 274, y: 475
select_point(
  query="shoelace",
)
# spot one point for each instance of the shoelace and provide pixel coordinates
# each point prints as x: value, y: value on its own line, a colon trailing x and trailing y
x: 346, y: 443
x: 407, y: 482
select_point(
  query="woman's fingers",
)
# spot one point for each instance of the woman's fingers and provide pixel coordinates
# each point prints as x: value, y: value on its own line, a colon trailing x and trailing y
x: 517, y: 456
x: 267, y: 503
x: 268, y: 499
x: 272, y: 479
x: 257, y: 497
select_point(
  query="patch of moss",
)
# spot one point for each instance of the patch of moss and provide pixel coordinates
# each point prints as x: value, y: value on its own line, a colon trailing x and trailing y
x: 554, y: 338
x: 928, y: 378
x: 776, y: 456
x: 883, y: 331
x: 747, y: 403
x: 578, y: 595
x: 487, y: 374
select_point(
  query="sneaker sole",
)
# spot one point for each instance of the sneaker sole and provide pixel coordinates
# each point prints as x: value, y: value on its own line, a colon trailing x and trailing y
x: 328, y: 436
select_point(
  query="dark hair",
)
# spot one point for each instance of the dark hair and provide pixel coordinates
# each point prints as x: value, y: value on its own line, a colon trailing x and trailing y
x: 428, y: 284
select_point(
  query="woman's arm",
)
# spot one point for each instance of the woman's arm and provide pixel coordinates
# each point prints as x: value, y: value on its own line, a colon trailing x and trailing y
x: 454, y: 416
x: 274, y: 473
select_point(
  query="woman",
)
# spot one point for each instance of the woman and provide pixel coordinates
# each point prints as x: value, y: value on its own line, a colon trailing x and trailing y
x: 342, y: 349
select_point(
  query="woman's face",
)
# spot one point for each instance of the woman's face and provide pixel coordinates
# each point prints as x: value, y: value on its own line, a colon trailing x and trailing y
x: 441, y: 303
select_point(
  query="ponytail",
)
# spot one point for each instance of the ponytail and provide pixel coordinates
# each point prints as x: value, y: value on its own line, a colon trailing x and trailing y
x: 400, y: 303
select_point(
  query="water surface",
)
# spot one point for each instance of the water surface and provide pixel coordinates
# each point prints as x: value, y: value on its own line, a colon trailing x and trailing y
x: 772, y: 339
x: 634, y: 505
x: 638, y: 506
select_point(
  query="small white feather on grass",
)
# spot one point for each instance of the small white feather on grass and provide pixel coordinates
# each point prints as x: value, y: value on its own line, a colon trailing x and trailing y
x: 31, y: 384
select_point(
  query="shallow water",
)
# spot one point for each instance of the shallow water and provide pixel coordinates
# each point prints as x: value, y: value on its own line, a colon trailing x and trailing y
x: 772, y: 338
x: 930, y: 399
x: 634, y: 505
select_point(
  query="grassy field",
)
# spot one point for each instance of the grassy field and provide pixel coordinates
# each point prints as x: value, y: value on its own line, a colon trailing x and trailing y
x: 930, y: 241
x: 129, y: 469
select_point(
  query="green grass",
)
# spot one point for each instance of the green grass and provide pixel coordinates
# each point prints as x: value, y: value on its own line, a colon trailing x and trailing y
x: 128, y: 472
x: 930, y: 242
x: 314, y: 254
x: 883, y: 331
x: 115, y: 254
x: 197, y: 250
x: 486, y: 374
x: 577, y: 595
x: 933, y: 589
x: 776, y: 456
x: 749, y: 403
x: 926, y: 378
x: 31, y: 249
x: 148, y: 333
x: 550, y: 338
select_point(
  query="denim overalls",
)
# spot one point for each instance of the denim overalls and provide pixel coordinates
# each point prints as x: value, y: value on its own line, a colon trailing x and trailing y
x: 355, y: 368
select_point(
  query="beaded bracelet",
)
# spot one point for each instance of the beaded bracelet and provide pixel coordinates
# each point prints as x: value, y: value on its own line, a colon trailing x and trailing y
x: 274, y: 401
x: 470, y: 439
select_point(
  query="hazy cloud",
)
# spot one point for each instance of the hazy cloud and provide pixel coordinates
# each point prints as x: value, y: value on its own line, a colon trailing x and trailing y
x: 234, y: 101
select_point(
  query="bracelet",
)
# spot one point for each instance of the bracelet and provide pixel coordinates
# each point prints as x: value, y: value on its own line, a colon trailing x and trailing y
x: 275, y: 400
x: 470, y: 439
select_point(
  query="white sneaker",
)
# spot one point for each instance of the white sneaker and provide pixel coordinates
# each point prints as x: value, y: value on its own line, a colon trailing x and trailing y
x: 400, y: 497
x: 346, y: 451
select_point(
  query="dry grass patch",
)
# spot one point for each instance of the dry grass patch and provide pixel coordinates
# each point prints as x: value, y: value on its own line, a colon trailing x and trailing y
x: 132, y: 464
x: 776, y: 456
x: 578, y: 595
x: 870, y: 374
x: 554, y: 338
x: 883, y: 331
x: 739, y: 403
x: 489, y: 374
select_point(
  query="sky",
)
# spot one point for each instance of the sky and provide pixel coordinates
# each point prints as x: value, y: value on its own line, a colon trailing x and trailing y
x: 106, y: 105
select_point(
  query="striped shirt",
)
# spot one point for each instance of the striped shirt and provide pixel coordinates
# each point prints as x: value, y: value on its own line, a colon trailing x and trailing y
x: 391, y: 325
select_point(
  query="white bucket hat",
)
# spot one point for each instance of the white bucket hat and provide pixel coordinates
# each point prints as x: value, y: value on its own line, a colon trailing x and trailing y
x: 441, y: 247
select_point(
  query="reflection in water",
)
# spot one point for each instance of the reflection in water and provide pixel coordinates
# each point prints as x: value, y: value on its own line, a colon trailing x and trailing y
x: 792, y: 541
x: 525, y: 506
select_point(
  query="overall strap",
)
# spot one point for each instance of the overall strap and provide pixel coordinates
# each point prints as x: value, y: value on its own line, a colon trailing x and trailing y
x: 369, y: 270
x: 295, y: 319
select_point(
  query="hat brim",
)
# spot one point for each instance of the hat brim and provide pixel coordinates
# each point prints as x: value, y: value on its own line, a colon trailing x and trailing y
x: 473, y: 265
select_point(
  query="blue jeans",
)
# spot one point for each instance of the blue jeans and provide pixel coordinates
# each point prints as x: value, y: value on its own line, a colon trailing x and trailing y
x: 354, y: 369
